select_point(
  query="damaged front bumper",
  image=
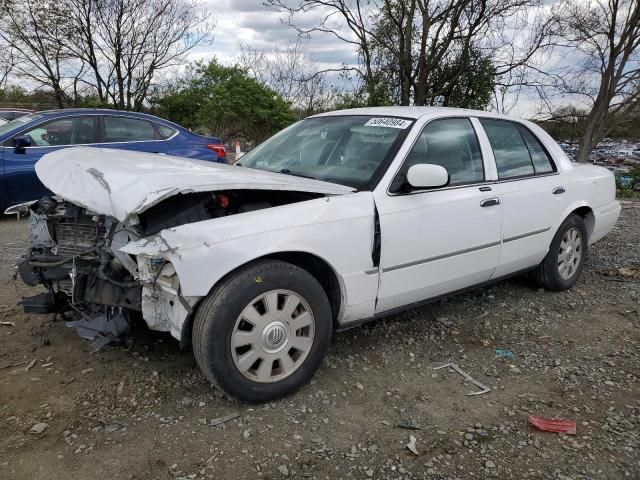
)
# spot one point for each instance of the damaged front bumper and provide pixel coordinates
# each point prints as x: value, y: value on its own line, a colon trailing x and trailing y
x: 75, y: 254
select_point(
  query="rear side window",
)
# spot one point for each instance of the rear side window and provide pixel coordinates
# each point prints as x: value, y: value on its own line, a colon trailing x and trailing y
x: 65, y: 131
x: 450, y: 143
x: 123, y: 129
x: 517, y: 152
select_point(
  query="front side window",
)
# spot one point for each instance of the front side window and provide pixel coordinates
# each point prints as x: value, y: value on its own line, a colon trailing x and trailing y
x: 450, y: 143
x: 64, y: 131
x: 349, y: 150
x: 123, y: 129
x: 517, y: 152
x: 19, y: 123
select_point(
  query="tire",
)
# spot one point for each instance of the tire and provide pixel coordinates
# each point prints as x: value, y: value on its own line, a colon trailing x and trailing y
x: 274, y: 312
x: 563, y: 264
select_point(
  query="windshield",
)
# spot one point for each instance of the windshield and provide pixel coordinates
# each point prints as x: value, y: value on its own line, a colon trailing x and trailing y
x: 18, y: 122
x: 348, y: 150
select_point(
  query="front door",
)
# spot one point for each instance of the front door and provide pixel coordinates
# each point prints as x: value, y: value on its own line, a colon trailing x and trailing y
x: 442, y: 240
x: 21, y: 181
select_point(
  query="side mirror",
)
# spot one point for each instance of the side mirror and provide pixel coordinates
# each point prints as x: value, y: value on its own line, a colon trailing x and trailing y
x: 427, y: 175
x: 22, y: 142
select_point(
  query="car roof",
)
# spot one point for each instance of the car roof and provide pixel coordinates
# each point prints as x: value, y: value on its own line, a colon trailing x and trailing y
x: 416, y: 112
x: 105, y: 111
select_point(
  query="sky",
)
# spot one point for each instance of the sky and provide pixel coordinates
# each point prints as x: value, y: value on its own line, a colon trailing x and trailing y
x: 249, y: 22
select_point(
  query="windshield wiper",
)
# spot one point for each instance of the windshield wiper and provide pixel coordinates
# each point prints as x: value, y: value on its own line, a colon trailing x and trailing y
x: 289, y: 172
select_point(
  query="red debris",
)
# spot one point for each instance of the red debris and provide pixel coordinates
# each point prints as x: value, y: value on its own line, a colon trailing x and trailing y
x: 554, y: 425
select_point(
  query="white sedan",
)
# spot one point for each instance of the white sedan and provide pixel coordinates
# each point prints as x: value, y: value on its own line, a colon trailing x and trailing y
x: 339, y: 219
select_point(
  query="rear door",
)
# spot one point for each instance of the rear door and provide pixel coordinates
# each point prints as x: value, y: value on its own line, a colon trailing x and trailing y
x: 531, y: 192
x: 21, y: 182
x: 138, y: 134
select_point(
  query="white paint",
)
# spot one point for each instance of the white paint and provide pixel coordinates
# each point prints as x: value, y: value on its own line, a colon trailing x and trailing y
x: 425, y: 175
x: 433, y: 242
x: 120, y: 183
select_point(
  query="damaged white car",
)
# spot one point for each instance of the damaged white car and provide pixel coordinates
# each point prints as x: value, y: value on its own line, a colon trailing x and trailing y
x: 341, y: 218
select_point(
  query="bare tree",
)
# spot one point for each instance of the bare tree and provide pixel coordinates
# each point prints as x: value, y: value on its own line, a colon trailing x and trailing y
x: 7, y: 63
x: 603, y: 38
x: 404, y: 44
x: 125, y: 43
x: 36, y: 32
x: 111, y: 48
x: 292, y: 73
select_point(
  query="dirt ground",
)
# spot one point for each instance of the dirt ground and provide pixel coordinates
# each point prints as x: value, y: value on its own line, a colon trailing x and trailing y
x: 145, y: 411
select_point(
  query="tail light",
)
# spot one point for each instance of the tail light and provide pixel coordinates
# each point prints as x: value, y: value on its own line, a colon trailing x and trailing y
x: 218, y: 149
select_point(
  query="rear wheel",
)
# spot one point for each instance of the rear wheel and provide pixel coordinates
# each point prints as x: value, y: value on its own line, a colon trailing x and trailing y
x: 263, y: 333
x: 563, y: 264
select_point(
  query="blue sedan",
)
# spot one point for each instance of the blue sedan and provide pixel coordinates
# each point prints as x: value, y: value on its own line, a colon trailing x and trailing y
x: 26, y: 139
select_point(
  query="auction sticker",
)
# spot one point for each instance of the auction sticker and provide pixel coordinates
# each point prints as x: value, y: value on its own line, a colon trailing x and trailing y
x: 388, y: 122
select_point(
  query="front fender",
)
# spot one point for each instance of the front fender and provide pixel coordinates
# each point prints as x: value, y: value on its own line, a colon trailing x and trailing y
x: 338, y: 230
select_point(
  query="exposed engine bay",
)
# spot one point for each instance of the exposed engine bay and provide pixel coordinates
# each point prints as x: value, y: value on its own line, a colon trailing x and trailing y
x: 75, y: 254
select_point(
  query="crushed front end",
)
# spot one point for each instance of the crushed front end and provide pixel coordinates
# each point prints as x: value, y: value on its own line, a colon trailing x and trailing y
x: 74, y: 254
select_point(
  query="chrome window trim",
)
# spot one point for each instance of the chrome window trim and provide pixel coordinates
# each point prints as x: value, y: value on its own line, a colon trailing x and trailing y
x: 475, y: 122
x: 177, y: 132
x: 487, y: 183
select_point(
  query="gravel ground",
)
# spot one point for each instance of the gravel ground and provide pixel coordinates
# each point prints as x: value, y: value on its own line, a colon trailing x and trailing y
x: 146, y: 411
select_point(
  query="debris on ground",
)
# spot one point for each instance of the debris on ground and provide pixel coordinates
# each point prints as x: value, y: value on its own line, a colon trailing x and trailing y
x: 225, y: 419
x: 554, y: 425
x: 284, y: 470
x: 624, y: 272
x: 8, y: 324
x: 467, y: 377
x: 409, y: 424
x: 38, y: 428
x: 501, y: 353
x: 576, y: 351
x: 30, y: 365
x: 109, y: 426
x: 412, y: 445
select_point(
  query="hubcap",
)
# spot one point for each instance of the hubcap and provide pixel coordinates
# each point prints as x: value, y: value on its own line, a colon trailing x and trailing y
x: 272, y: 336
x: 570, y: 253
x: 275, y: 336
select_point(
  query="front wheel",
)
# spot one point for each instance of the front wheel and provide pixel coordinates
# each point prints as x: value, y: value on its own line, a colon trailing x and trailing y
x: 262, y: 334
x: 563, y: 264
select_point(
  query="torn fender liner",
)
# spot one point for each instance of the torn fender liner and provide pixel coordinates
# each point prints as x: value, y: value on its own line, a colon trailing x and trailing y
x: 121, y: 183
x: 104, y: 329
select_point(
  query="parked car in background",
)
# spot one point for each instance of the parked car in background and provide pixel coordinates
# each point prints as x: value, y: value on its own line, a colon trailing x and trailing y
x: 26, y: 139
x: 341, y: 218
x: 13, y: 113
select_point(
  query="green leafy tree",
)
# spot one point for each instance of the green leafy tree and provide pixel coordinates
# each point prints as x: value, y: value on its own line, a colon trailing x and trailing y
x: 227, y: 101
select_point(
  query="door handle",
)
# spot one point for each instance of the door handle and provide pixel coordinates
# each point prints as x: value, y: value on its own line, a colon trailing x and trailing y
x: 490, y: 202
x: 485, y: 189
x: 558, y: 190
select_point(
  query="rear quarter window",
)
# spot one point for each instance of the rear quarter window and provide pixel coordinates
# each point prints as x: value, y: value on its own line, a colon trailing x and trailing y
x: 164, y: 132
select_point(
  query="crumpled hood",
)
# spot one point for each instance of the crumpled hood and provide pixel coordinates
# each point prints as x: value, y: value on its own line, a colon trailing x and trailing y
x: 120, y: 183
